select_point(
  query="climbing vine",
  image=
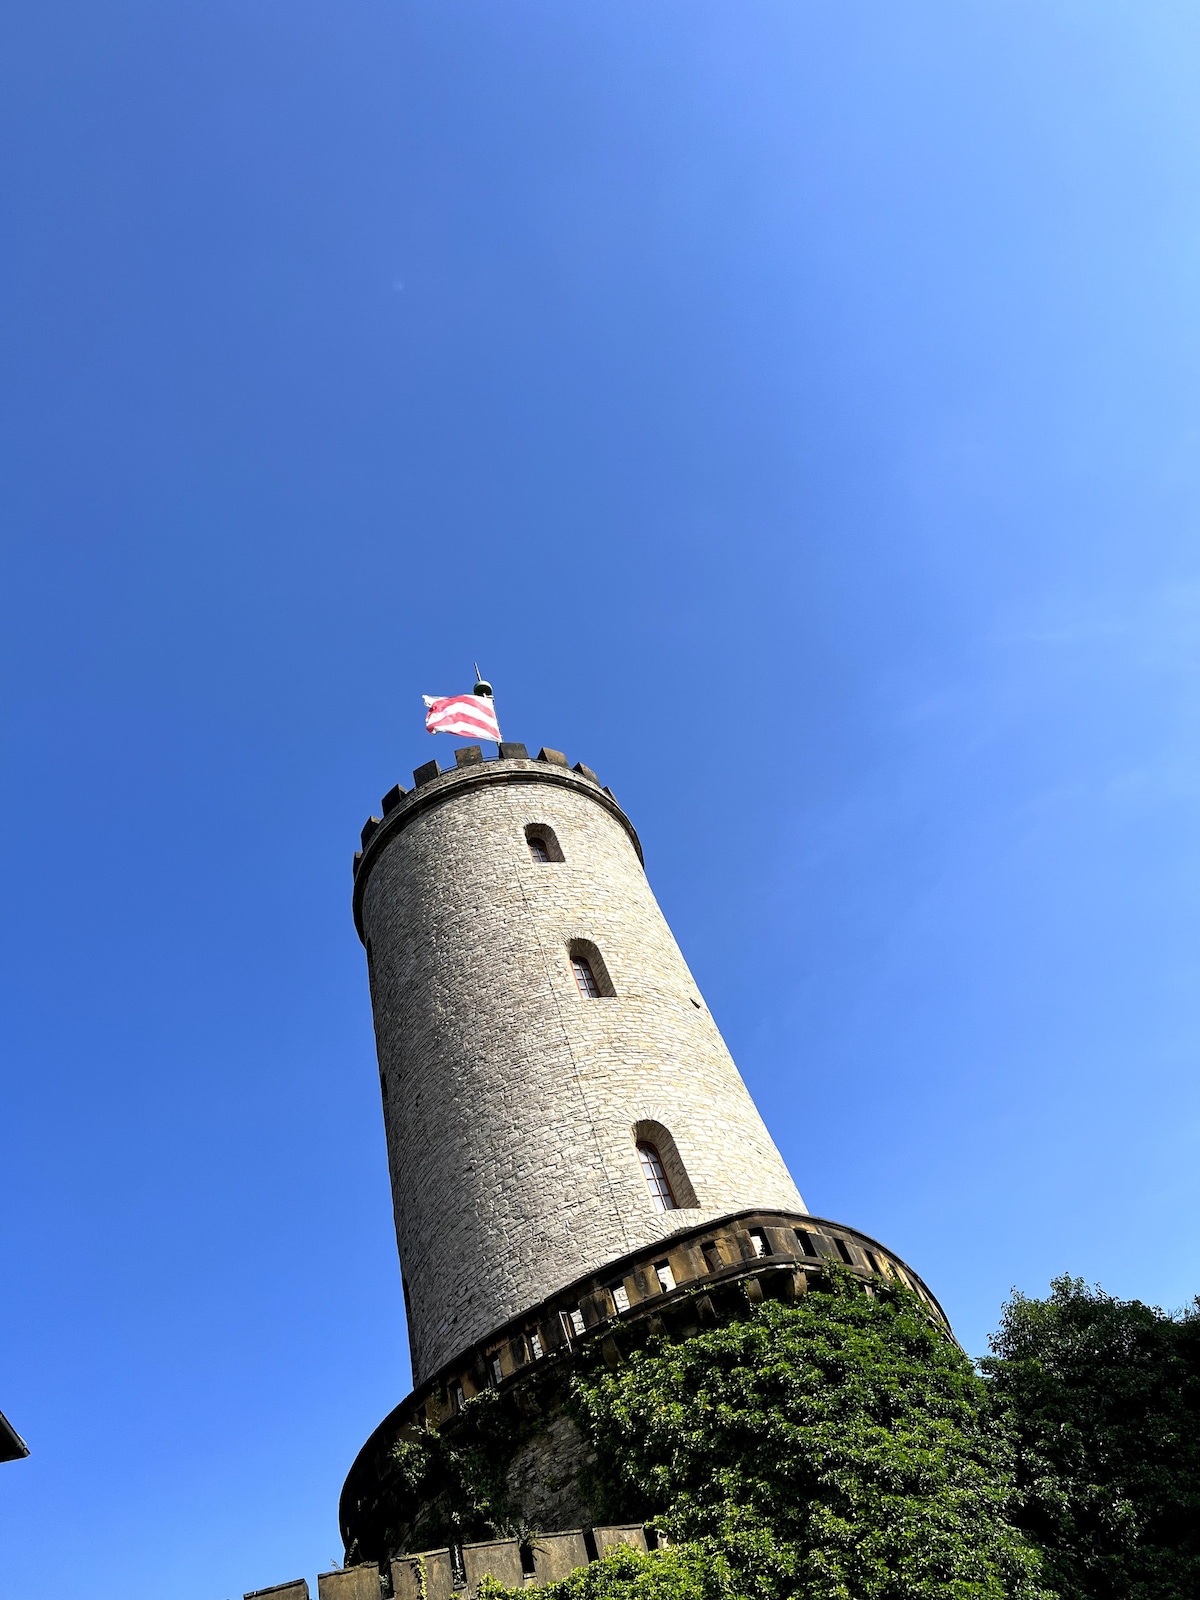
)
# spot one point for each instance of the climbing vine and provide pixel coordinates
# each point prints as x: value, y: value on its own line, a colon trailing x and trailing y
x: 838, y: 1448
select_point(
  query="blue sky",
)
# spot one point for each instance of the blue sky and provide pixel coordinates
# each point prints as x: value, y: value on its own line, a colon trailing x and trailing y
x: 795, y: 408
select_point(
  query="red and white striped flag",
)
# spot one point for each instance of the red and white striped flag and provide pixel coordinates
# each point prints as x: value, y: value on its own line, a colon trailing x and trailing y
x: 473, y: 716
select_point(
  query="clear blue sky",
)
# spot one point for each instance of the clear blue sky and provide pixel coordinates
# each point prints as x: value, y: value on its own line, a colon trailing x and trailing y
x: 795, y: 407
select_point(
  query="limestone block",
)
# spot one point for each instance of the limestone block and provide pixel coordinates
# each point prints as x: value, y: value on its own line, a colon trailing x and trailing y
x: 556, y: 1555
x: 406, y: 1582
x: 501, y: 1559
x: 350, y: 1583
x: 633, y: 1535
x: 439, y: 1576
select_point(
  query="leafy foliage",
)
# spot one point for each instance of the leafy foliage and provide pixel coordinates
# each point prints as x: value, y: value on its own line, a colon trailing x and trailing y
x: 840, y: 1448
x: 687, y: 1573
x: 1104, y: 1398
x: 457, y: 1478
x: 835, y: 1449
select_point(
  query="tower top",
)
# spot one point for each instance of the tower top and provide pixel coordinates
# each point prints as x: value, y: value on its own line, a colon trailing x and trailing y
x: 432, y: 785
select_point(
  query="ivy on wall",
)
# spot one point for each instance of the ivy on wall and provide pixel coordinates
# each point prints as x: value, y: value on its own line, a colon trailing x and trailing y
x: 841, y: 1448
x: 450, y: 1484
x: 837, y: 1447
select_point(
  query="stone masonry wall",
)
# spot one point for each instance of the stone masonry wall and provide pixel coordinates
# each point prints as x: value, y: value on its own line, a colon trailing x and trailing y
x: 456, y: 1573
x: 511, y: 1101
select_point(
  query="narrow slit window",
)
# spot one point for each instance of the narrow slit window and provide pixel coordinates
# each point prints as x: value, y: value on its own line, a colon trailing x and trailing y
x: 758, y: 1242
x: 621, y: 1297
x: 535, y: 1346
x: 806, y: 1243
x: 666, y: 1278
x: 585, y: 978
x: 656, y: 1177
x: 497, y: 1370
x: 537, y: 848
x: 843, y: 1249
x: 712, y: 1257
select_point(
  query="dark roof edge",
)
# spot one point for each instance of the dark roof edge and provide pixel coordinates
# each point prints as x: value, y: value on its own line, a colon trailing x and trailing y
x: 12, y: 1446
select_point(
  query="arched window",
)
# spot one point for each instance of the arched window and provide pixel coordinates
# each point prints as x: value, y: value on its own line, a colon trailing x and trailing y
x: 585, y: 978
x: 591, y: 974
x: 655, y: 1176
x: 543, y: 843
x: 658, y: 1154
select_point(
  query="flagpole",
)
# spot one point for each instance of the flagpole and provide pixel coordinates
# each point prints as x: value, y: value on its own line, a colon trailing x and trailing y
x: 484, y: 688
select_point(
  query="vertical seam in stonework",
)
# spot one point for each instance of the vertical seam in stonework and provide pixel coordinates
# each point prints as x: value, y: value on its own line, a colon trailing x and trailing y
x: 587, y: 1110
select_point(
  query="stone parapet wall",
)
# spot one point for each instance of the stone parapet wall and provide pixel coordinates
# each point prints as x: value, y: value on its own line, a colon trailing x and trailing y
x: 455, y: 1573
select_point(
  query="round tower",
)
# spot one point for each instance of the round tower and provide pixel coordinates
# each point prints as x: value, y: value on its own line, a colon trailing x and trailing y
x: 557, y: 1095
x: 576, y: 1165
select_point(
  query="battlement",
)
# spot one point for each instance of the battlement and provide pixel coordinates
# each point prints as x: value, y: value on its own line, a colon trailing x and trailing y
x: 455, y: 1572
x: 433, y: 784
x: 697, y: 1277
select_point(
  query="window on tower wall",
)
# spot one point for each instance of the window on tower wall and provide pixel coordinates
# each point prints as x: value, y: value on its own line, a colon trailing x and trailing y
x: 656, y: 1177
x: 591, y: 974
x: 543, y: 843
x: 662, y: 1167
x: 585, y: 978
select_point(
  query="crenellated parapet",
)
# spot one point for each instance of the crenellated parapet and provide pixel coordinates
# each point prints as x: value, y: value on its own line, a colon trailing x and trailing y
x: 455, y: 1572
x: 434, y: 784
x: 702, y: 1276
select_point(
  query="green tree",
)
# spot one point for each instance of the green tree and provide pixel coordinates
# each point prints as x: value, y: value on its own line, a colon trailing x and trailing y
x: 1104, y: 1398
x: 840, y: 1448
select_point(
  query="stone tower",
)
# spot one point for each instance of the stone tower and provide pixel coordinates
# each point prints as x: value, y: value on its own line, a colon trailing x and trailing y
x: 571, y: 1145
x: 516, y: 1098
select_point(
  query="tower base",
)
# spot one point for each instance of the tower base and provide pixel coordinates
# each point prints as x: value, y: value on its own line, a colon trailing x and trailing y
x: 698, y: 1277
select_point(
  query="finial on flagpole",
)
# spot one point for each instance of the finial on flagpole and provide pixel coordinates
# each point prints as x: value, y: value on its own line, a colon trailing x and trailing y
x: 482, y: 686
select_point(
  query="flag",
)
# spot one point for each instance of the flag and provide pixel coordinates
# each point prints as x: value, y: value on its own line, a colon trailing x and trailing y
x: 473, y: 716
